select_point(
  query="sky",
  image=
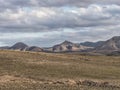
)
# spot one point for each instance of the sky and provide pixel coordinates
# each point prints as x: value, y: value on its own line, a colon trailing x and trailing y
x: 47, y: 22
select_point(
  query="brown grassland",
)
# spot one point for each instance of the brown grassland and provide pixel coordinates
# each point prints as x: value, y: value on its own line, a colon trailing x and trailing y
x: 61, y: 71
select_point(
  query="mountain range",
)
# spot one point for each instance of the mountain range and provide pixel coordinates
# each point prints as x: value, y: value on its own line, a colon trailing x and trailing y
x: 111, y: 46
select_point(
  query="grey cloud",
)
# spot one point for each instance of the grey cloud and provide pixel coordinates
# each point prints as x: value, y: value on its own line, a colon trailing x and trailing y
x: 101, y: 18
x: 52, y: 3
x: 44, y: 19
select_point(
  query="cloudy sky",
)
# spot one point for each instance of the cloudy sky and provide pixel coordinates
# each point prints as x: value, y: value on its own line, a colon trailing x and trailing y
x: 47, y: 22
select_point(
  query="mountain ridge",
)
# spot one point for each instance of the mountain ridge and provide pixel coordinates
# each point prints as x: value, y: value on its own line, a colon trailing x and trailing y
x: 108, y: 46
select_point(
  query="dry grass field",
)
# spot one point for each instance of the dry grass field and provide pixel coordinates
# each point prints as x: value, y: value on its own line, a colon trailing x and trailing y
x: 64, y: 71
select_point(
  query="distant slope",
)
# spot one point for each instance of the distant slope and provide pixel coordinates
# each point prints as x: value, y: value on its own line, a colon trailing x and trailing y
x: 92, y: 44
x: 34, y: 48
x: 114, y: 53
x: 4, y: 47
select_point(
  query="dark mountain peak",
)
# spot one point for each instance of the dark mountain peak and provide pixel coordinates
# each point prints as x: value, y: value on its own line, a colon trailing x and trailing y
x: 66, y: 42
x: 19, y: 45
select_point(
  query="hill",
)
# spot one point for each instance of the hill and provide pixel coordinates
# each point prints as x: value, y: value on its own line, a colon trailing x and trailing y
x: 68, y: 46
x: 34, y: 49
x: 110, y: 45
x: 23, y: 47
x: 19, y: 46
